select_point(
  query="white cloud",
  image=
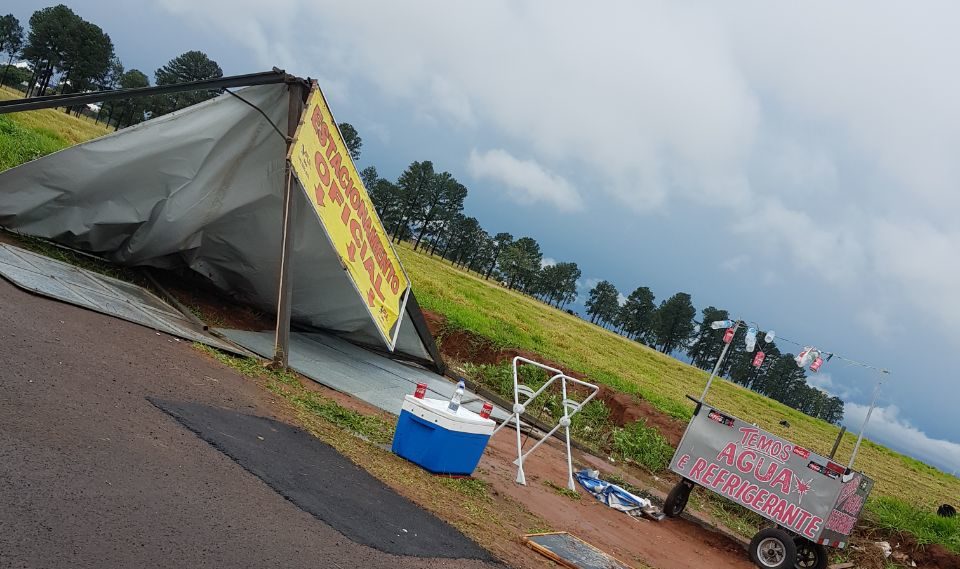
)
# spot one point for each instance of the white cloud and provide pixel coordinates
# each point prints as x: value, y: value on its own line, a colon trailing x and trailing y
x: 588, y: 284
x: 875, y: 321
x: 527, y: 181
x: 824, y: 382
x: 621, y: 299
x: 734, y: 264
x: 834, y: 252
x: 886, y: 426
x: 547, y: 262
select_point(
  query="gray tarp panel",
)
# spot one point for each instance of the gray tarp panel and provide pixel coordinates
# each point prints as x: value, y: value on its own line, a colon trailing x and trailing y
x: 64, y: 282
x: 368, y: 376
x: 200, y: 188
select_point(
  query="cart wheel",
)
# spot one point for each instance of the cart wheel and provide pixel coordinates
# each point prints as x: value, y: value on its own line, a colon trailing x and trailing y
x: 773, y: 548
x: 810, y: 555
x: 676, y: 500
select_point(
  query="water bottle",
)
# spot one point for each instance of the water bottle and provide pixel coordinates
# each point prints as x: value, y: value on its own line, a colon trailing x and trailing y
x: 718, y: 324
x: 770, y: 336
x: 457, y: 396
x: 750, y: 340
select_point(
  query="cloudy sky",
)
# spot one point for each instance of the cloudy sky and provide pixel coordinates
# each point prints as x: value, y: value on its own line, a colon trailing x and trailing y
x: 793, y: 163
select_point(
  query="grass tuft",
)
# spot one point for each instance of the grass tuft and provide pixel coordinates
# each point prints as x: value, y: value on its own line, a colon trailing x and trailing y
x: 562, y: 490
x: 642, y: 445
x: 891, y: 514
x: 19, y: 144
x: 472, y: 487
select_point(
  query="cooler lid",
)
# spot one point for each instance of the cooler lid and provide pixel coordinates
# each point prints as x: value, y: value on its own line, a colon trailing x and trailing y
x: 440, y: 407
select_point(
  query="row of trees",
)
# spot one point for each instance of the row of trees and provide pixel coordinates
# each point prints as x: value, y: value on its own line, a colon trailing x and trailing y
x: 672, y: 327
x: 67, y: 54
x: 425, y: 207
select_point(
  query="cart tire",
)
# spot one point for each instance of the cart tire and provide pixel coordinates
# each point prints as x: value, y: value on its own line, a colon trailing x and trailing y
x: 676, y: 500
x: 773, y: 548
x: 810, y: 555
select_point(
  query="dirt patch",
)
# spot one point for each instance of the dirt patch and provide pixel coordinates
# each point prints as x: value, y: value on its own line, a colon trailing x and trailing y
x: 435, y: 322
x: 865, y: 553
x: 930, y: 555
x: 210, y: 304
x: 626, y: 408
x: 464, y: 346
x: 674, y: 543
x: 461, y: 345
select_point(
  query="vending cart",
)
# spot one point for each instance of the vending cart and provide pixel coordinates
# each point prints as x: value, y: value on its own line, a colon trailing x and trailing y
x: 812, y: 501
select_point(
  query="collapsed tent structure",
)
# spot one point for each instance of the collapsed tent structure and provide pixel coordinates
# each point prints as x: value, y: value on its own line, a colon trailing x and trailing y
x: 203, y: 188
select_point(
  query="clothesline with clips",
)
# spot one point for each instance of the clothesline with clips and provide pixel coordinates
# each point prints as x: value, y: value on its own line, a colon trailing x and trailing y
x: 827, y: 356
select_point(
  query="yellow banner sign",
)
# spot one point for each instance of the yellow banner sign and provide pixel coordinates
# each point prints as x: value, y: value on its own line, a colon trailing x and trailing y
x: 321, y: 162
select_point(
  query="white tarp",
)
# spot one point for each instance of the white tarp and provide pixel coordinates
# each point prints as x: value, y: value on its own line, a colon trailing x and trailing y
x: 201, y: 188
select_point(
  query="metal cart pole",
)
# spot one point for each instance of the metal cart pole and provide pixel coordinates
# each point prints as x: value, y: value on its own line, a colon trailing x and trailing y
x: 716, y: 368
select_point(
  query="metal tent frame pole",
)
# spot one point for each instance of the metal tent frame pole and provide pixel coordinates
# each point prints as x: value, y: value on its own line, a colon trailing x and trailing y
x: 281, y: 354
x: 74, y: 99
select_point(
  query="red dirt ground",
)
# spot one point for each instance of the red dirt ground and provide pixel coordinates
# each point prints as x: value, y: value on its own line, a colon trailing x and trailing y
x: 673, y: 543
x: 464, y: 346
x: 626, y: 409
x: 931, y: 555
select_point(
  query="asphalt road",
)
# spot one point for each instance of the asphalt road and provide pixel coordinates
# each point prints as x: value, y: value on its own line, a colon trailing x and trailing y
x: 94, y: 475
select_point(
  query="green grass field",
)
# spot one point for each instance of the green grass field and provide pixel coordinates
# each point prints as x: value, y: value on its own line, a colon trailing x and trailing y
x: 513, y: 320
x: 29, y: 135
x: 509, y: 319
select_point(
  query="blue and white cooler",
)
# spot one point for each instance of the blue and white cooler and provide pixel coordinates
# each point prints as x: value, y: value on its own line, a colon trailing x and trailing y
x: 439, y: 440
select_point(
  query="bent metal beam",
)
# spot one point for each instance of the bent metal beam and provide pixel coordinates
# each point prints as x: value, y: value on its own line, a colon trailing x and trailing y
x: 72, y: 99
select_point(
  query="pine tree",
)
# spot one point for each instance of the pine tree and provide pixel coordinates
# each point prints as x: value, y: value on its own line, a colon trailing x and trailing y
x: 673, y: 322
x: 635, y: 317
x: 602, y: 303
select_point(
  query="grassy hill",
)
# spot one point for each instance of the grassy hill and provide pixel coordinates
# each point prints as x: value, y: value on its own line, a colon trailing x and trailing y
x: 511, y: 319
x: 29, y: 135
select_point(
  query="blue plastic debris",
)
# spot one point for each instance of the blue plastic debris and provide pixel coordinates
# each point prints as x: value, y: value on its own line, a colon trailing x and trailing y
x: 616, y: 497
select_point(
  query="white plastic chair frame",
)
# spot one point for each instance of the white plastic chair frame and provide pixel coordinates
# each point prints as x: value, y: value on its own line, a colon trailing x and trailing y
x: 570, y: 408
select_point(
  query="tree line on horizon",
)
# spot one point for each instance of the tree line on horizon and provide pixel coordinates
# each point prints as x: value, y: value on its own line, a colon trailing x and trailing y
x: 425, y: 207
